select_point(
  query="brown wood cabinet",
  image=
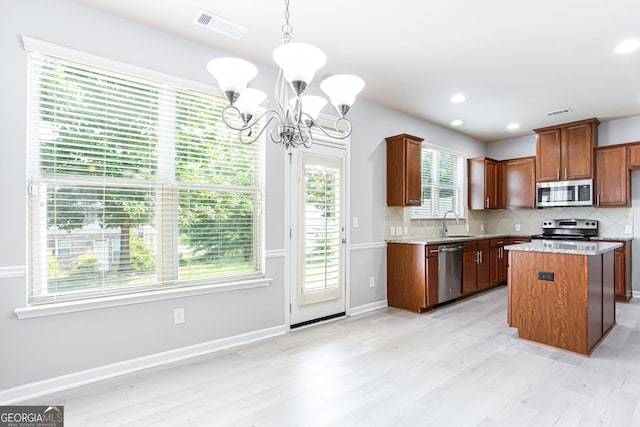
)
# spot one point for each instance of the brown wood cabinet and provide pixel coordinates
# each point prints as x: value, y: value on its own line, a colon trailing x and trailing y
x: 565, y: 152
x: 412, y: 276
x: 482, y: 183
x: 612, y: 177
x: 498, y: 260
x: 404, y: 182
x: 633, y: 155
x: 518, y: 183
x: 572, y: 311
x: 622, y: 271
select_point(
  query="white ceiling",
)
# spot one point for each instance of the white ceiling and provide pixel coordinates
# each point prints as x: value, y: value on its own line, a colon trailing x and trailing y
x: 514, y: 60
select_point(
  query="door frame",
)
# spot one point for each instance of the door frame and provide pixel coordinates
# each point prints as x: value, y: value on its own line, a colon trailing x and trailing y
x: 291, y: 257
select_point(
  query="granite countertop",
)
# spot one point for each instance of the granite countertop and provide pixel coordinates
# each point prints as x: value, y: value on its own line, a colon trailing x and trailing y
x: 615, y: 238
x: 452, y: 238
x: 565, y: 247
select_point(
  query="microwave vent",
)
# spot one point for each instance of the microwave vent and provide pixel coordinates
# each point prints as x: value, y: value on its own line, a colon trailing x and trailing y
x: 557, y: 112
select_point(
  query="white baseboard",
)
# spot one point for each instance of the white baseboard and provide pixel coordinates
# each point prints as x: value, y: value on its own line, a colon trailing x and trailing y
x: 76, y: 379
x: 361, y: 309
x: 635, y: 294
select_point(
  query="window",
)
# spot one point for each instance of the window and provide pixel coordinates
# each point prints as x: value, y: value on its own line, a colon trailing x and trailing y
x: 138, y: 184
x: 442, y: 183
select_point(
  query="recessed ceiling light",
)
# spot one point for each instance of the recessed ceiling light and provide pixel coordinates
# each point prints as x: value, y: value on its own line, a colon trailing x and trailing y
x: 513, y: 126
x: 457, y: 122
x: 627, y: 46
x: 458, y: 97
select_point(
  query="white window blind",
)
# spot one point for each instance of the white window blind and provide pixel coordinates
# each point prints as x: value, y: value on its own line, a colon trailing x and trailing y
x: 442, y: 183
x: 135, y: 185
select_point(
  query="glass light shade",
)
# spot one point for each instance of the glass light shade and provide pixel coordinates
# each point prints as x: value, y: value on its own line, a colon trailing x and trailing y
x: 233, y: 74
x: 310, y: 105
x: 342, y: 88
x: 299, y: 61
x: 249, y: 101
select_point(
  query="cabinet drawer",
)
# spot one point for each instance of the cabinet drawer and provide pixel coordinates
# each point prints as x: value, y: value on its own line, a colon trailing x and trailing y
x: 432, y: 250
x: 470, y: 246
x: 484, y: 244
x: 498, y: 242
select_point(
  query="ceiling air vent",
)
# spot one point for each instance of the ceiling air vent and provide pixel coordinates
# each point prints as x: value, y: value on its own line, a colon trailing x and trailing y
x: 557, y: 112
x: 219, y: 24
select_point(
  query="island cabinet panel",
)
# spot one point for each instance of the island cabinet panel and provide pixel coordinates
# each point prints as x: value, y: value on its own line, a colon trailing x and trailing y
x: 404, y: 182
x: 550, y: 312
x: 560, y: 299
x: 612, y: 177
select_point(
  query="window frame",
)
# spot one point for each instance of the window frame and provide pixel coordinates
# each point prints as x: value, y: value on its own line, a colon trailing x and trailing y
x: 462, y: 176
x: 168, y: 289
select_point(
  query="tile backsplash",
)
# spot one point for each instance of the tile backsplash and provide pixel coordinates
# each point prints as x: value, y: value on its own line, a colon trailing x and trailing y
x: 612, y: 221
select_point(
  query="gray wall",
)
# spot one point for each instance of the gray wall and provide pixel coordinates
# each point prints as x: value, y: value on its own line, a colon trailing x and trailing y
x: 609, y: 133
x: 45, y: 347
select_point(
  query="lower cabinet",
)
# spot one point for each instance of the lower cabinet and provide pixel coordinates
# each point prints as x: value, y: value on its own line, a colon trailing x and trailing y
x: 412, y: 276
x: 475, y: 266
x: 498, y: 258
x: 622, y: 271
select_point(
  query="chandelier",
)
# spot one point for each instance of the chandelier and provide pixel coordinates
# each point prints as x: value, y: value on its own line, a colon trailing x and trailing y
x: 296, y: 114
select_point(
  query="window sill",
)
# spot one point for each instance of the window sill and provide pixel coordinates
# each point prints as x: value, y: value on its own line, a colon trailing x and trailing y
x: 138, y: 298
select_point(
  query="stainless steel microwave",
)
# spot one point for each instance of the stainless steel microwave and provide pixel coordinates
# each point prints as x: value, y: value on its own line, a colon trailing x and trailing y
x: 565, y: 193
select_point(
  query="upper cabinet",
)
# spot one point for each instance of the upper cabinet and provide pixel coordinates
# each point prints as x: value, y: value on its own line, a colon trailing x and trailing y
x: 518, y: 187
x: 565, y: 152
x: 612, y: 176
x: 506, y: 184
x: 404, y: 183
x: 482, y: 183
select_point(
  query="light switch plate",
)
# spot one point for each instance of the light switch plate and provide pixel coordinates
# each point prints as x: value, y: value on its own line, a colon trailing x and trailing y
x: 399, y: 230
x: 628, y: 229
x: 517, y: 227
x: 393, y: 231
x: 355, y: 222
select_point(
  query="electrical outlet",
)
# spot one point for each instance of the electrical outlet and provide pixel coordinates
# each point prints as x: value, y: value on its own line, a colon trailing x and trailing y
x: 178, y: 316
x: 466, y: 227
x: 517, y: 227
x: 393, y: 231
x: 355, y: 222
x: 628, y: 229
x: 481, y: 228
x: 406, y: 230
x: 372, y: 282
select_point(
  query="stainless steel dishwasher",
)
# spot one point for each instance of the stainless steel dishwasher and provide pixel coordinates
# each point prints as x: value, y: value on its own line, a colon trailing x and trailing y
x: 449, y: 271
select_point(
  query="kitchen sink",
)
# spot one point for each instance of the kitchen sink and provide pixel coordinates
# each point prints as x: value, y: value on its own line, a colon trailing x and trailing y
x: 455, y: 236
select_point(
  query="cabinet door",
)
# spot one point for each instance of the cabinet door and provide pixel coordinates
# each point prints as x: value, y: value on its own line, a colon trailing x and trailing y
x: 548, y: 154
x: 519, y: 183
x: 577, y: 152
x: 491, y: 184
x: 612, y: 177
x: 432, y: 280
x: 469, y: 275
x: 502, y: 266
x: 634, y: 155
x: 494, y: 260
x: 413, y: 179
x: 475, y: 172
x: 484, y: 269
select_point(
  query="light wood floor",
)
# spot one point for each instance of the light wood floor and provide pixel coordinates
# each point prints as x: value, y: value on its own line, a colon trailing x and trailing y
x: 459, y: 365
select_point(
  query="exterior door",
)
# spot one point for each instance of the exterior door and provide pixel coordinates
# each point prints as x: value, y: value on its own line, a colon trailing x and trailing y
x: 317, y: 234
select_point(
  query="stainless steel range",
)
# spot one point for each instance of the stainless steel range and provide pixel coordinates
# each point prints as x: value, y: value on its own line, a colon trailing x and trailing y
x: 568, y: 229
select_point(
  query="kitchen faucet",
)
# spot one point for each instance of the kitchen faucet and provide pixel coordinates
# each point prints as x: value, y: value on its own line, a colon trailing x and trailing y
x: 444, y: 222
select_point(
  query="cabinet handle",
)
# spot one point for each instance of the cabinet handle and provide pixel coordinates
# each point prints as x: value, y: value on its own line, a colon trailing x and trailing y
x: 558, y: 174
x: 433, y: 251
x: 598, y: 200
x: 480, y: 257
x: 565, y: 174
x: 486, y: 203
x: 477, y: 257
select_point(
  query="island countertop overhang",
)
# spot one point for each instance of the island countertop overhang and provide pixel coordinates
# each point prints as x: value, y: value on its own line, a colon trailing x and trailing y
x: 565, y: 247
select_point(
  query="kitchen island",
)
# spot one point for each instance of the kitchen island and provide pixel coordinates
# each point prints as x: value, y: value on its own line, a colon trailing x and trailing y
x: 561, y: 293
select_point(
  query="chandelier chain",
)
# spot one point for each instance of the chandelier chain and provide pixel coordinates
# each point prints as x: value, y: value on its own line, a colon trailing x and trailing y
x: 287, y: 29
